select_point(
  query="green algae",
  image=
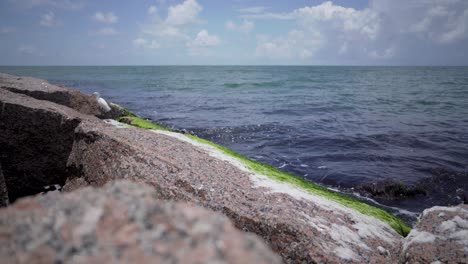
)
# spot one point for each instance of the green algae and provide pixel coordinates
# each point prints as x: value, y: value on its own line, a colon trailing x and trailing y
x: 123, y: 110
x: 273, y: 173
x: 141, y: 123
x: 400, y: 226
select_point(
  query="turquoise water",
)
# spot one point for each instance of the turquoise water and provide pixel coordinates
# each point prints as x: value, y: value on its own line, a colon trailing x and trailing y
x: 341, y: 127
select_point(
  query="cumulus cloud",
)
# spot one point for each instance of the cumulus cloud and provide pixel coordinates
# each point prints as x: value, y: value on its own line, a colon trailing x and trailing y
x: 183, y: 14
x: 296, y: 45
x: 179, y: 18
x: 440, y: 21
x: 200, y: 46
x: 107, y: 18
x: 245, y: 27
x: 344, y: 20
x: 378, y: 32
x: 204, y: 39
x: 48, y: 20
x: 175, y: 29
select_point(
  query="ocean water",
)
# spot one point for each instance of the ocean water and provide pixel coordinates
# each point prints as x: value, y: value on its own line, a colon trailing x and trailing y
x: 341, y: 127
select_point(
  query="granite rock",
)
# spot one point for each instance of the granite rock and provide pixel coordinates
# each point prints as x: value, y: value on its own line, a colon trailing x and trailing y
x: 123, y: 222
x: 43, y: 90
x: 441, y: 236
x: 36, y: 138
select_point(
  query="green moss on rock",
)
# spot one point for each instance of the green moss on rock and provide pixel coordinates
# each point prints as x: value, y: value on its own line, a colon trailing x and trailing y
x: 273, y: 173
x: 141, y: 123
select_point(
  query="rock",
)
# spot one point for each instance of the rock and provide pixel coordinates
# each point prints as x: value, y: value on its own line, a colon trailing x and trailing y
x: 42, y: 90
x: 36, y: 138
x: 57, y: 144
x: 390, y: 190
x: 3, y: 190
x: 441, y: 236
x: 121, y: 223
x: 299, y: 226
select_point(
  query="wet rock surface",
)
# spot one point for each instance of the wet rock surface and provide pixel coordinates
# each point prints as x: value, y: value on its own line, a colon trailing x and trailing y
x: 441, y: 236
x: 122, y: 222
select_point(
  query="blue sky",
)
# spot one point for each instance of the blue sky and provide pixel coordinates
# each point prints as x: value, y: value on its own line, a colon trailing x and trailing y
x: 187, y: 32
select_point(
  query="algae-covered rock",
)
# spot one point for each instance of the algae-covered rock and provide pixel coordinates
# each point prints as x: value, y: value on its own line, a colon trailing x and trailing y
x: 121, y: 223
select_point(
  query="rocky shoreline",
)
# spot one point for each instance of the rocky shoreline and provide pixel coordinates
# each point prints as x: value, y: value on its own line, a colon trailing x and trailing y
x: 56, y: 135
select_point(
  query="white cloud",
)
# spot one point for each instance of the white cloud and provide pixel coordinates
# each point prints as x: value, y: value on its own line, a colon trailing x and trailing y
x: 107, y: 18
x: 63, y: 4
x: 439, y: 21
x: 107, y: 31
x: 204, y: 39
x: 152, y: 10
x: 183, y: 14
x: 6, y: 30
x: 344, y: 20
x: 202, y: 44
x: 179, y: 18
x: 143, y: 43
x: 48, y: 20
x: 296, y: 45
x: 245, y: 27
x: 378, y: 32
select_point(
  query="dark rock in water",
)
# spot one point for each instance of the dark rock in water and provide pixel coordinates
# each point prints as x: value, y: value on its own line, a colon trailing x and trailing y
x: 36, y: 138
x: 3, y: 190
x: 390, y: 190
x: 441, y: 236
x: 122, y: 223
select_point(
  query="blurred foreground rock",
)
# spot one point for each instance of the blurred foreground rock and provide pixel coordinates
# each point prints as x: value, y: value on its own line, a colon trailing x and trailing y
x: 441, y: 236
x: 122, y: 222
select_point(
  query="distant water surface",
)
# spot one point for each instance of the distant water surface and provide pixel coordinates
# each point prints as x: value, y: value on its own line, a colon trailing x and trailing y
x: 342, y: 127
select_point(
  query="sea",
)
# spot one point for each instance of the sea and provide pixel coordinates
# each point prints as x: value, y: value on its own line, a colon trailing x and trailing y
x: 396, y: 137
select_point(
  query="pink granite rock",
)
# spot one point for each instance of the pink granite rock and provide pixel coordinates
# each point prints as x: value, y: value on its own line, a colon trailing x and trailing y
x: 441, y: 236
x: 121, y: 223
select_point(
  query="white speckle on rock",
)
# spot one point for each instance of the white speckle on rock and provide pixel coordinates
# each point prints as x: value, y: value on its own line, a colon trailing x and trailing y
x: 416, y: 236
x: 441, y: 214
x: 89, y: 221
x: 115, y: 123
x: 346, y: 253
x: 383, y: 251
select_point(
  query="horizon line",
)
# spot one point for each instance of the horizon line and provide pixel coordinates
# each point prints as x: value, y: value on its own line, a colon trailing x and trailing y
x: 231, y: 65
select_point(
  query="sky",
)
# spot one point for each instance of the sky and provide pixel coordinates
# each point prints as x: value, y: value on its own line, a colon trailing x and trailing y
x: 237, y: 32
